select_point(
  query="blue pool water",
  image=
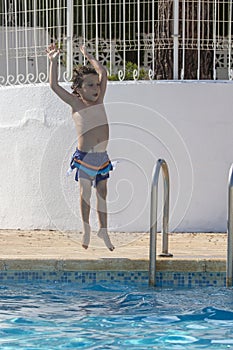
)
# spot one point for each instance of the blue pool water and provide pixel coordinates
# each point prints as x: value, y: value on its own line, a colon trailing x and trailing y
x: 114, y: 316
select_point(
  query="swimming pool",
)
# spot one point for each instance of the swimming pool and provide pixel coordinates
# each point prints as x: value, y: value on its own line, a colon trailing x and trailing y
x: 56, y: 315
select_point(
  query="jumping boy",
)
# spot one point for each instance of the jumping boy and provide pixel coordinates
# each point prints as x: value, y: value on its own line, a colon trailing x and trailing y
x: 90, y: 159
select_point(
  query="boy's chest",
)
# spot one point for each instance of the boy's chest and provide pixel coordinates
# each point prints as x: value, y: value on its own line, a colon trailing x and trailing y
x: 90, y: 117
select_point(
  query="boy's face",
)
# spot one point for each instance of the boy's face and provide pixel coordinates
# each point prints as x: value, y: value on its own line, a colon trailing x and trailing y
x: 90, y: 89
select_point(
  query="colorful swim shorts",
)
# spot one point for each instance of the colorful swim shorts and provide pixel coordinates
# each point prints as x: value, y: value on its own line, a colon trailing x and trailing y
x: 94, y: 166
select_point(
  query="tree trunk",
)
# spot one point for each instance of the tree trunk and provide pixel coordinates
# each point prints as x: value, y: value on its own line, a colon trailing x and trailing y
x: 164, y: 41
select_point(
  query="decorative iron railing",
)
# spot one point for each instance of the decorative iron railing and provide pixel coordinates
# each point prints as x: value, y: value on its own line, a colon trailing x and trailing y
x: 135, y: 39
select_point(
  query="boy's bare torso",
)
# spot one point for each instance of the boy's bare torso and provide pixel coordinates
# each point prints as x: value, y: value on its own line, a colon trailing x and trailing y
x: 92, y: 127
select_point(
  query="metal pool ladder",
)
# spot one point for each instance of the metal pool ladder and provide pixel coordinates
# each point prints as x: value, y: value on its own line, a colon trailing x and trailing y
x: 153, y: 217
x: 229, y: 272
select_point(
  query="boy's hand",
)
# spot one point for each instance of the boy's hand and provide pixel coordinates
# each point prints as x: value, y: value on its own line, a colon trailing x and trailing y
x: 83, y: 49
x: 53, y: 52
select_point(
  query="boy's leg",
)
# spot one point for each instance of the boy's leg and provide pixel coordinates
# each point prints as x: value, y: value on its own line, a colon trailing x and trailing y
x: 85, y: 195
x: 101, y: 193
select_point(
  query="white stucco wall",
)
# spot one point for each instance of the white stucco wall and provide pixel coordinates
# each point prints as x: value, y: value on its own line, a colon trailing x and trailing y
x: 190, y: 125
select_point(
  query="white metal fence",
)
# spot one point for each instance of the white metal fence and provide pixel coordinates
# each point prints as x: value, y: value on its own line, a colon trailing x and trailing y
x: 135, y: 39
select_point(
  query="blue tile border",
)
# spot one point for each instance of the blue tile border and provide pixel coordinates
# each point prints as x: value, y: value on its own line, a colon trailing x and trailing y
x: 163, y: 279
x: 190, y: 279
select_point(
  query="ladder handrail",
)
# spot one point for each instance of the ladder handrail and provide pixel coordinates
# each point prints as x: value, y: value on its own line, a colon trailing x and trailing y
x: 229, y: 267
x: 153, y: 217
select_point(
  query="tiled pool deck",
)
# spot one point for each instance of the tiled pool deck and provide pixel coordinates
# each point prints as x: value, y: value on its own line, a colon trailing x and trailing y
x: 198, y: 258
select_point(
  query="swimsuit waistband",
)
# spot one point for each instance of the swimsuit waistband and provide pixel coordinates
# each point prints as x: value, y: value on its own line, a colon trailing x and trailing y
x: 104, y: 165
x: 90, y: 151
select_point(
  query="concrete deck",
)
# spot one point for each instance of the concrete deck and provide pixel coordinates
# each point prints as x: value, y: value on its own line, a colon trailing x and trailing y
x: 54, y: 250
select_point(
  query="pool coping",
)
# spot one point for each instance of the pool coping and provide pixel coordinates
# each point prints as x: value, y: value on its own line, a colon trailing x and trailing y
x: 113, y: 264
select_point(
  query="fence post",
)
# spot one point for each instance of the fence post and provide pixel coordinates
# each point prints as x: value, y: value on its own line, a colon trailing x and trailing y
x: 69, y: 65
x: 176, y: 40
x: 229, y: 42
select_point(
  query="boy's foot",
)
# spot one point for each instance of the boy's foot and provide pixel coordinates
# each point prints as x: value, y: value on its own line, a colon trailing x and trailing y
x: 103, y: 234
x: 86, y: 240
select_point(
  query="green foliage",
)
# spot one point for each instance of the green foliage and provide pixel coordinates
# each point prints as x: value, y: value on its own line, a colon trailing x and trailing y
x: 130, y: 67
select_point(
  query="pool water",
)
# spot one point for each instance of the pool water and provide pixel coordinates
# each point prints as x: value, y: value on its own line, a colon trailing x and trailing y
x: 114, y: 316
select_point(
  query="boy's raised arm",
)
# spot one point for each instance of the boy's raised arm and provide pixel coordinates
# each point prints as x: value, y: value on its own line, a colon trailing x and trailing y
x: 53, y: 54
